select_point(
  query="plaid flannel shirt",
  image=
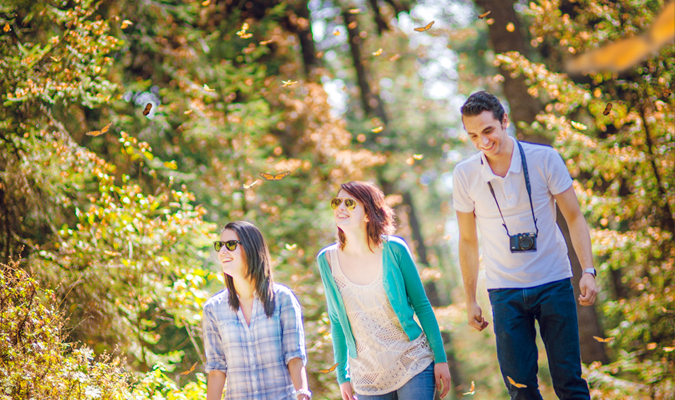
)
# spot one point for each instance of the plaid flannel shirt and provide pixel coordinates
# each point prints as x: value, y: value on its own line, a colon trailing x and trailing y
x: 254, y: 357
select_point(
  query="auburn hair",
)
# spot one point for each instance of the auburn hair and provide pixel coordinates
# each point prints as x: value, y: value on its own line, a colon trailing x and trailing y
x: 380, y: 215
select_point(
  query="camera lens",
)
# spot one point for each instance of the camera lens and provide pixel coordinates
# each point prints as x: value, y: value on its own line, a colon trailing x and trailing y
x: 526, y: 242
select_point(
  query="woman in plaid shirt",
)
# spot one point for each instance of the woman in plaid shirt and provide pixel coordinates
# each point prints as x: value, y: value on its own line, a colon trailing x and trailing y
x: 253, y: 333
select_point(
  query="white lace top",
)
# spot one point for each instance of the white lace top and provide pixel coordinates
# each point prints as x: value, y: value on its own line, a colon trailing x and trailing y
x: 387, y: 359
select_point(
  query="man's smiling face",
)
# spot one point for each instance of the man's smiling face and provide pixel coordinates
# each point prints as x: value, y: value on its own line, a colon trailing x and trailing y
x: 486, y: 133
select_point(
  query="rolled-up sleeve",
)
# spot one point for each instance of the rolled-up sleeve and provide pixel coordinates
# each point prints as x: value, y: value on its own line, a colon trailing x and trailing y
x: 293, y: 332
x: 213, y: 344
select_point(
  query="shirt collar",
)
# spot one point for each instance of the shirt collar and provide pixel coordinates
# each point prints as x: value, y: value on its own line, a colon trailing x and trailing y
x: 515, y: 166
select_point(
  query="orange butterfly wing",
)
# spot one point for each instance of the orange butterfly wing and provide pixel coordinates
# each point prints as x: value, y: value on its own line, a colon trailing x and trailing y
x: 101, y: 132
x: 484, y: 15
x: 518, y: 385
x: 190, y: 370
x: 331, y: 369
x: 278, y: 177
x: 425, y: 28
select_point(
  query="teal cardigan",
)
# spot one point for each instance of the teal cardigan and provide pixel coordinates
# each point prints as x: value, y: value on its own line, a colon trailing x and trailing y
x: 405, y: 292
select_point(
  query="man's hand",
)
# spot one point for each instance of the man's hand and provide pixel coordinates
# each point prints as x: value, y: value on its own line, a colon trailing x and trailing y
x: 475, y: 315
x: 442, y: 376
x: 588, y: 290
x: 346, y: 391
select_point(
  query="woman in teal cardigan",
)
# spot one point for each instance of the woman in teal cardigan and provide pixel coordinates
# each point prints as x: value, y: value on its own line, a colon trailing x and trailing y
x: 373, y: 290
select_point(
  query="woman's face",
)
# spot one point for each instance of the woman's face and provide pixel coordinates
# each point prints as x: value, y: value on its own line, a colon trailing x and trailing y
x: 346, y: 218
x: 233, y: 262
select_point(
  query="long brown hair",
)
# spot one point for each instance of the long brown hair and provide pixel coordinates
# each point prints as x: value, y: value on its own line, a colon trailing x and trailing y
x: 259, y: 269
x: 380, y: 215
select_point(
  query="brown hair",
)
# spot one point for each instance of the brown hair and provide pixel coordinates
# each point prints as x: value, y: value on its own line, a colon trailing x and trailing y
x: 259, y: 270
x: 380, y: 215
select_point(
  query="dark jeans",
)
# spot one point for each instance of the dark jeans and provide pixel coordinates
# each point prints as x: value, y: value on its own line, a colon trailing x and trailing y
x: 513, y: 313
x: 419, y: 387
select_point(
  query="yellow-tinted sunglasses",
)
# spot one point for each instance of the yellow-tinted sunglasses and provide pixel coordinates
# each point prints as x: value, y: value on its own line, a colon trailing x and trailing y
x: 349, y: 203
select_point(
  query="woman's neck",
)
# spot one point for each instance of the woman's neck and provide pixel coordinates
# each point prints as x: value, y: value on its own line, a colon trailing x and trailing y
x: 245, y: 288
x: 357, y: 242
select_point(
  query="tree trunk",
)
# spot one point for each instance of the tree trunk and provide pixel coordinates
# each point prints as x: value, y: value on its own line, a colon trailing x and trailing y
x: 591, y: 350
x: 370, y: 101
x: 522, y: 106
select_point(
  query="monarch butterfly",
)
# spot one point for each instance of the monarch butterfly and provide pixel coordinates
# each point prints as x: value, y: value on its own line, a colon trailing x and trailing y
x: 289, y: 83
x: 277, y: 177
x: 354, y: 11
x: 484, y: 15
x: 147, y: 109
x: 331, y: 369
x: 418, y: 156
x: 101, y: 132
x: 336, y: 33
x: 601, y: 340
x: 518, y: 385
x: 425, y: 28
x: 607, y: 109
x: 394, y: 57
x: 377, y: 130
x: 472, y: 390
x: 291, y: 246
x: 378, y: 52
x: 190, y: 370
x: 625, y: 53
x: 264, y: 42
x: 126, y: 23
x: 6, y: 28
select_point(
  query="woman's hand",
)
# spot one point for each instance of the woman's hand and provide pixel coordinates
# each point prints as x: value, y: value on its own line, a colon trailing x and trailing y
x: 442, y: 375
x: 346, y: 391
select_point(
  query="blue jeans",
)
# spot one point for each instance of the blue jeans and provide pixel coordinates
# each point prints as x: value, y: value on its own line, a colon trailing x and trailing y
x: 513, y: 313
x: 420, y: 387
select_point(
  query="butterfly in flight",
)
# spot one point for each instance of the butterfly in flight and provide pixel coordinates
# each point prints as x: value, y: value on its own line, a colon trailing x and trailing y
x: 277, y: 177
x: 378, y: 129
x: 518, y: 385
x: 331, y: 369
x: 484, y: 15
x: 625, y: 53
x: 147, y: 109
x: 601, y: 340
x: 126, y: 23
x: 289, y: 83
x: 607, y: 109
x: 208, y: 89
x: 265, y: 42
x: 6, y: 28
x: 418, y: 156
x: 101, y: 132
x: 190, y: 370
x: 472, y: 390
x: 378, y: 52
x: 291, y: 246
x: 425, y: 28
x: 394, y: 57
x: 354, y: 11
x: 336, y: 33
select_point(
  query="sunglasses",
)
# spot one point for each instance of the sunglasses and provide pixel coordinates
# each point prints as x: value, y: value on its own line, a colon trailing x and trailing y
x: 230, y: 245
x: 349, y: 203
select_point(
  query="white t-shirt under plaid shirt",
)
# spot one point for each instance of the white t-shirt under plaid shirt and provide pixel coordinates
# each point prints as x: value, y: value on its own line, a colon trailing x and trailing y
x: 254, y: 357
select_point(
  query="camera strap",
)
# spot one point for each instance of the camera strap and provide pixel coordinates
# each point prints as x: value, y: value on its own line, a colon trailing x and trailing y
x: 527, y: 185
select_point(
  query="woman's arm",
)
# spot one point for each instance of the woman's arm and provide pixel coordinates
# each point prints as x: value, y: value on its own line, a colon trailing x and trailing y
x: 296, y: 368
x: 420, y: 302
x: 339, y: 341
x: 216, y: 383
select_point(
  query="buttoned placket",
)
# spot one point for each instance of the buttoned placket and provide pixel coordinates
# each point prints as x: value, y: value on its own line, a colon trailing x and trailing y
x: 249, y: 341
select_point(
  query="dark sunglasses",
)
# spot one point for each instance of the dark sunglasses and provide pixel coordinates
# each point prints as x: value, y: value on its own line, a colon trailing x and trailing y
x: 230, y: 245
x: 349, y: 203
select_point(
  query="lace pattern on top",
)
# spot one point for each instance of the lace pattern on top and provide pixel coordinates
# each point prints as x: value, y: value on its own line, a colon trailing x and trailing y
x: 387, y: 359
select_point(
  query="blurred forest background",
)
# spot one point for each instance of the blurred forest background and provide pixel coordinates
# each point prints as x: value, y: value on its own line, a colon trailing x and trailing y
x: 132, y: 131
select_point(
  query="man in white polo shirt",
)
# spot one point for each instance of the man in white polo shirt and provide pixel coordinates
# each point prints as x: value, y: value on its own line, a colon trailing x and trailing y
x: 525, y: 255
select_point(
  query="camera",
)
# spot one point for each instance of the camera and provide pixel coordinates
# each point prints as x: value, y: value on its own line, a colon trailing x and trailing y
x: 523, y: 242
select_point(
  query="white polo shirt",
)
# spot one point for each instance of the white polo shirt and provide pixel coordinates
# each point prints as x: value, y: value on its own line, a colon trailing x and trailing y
x: 548, y: 177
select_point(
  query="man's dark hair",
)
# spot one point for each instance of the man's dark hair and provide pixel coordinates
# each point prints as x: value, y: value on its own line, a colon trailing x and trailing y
x: 483, y: 101
x: 259, y: 270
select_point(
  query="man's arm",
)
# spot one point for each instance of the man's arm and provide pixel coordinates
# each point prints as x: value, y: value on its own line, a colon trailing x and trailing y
x: 581, y: 241
x: 468, y: 261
